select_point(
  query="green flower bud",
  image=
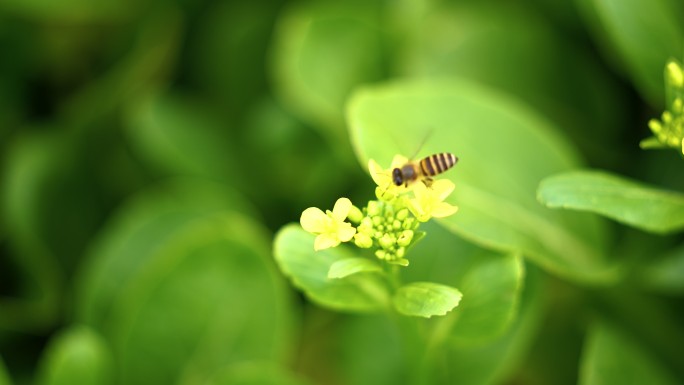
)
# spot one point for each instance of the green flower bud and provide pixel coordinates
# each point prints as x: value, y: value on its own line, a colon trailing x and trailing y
x: 675, y: 75
x: 374, y: 209
x: 386, y: 241
x: 401, y: 252
x: 396, y: 225
x: 381, y: 254
x: 366, y: 225
x: 377, y: 221
x: 363, y: 241
x: 405, y: 238
x: 402, y: 214
x: 355, y: 215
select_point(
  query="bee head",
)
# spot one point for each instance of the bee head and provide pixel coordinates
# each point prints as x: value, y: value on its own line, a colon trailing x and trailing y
x: 397, y: 177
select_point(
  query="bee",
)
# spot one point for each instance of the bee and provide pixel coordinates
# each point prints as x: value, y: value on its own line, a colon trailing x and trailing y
x: 424, y: 169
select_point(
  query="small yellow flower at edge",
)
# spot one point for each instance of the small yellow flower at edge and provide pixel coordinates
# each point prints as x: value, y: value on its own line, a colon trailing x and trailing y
x: 330, y: 227
x: 429, y: 201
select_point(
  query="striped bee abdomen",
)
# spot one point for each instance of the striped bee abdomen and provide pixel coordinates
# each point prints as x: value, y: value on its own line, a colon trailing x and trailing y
x: 437, y: 163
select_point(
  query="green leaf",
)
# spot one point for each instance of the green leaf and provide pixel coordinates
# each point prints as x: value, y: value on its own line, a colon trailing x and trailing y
x: 491, y: 283
x: 665, y: 274
x: 143, y: 226
x: 505, y: 151
x: 346, y: 267
x: 4, y: 376
x: 491, y: 295
x: 426, y: 299
x: 77, y: 356
x: 645, y: 34
x: 182, y: 288
x: 255, y: 373
x: 181, y: 136
x: 308, y: 270
x: 497, y: 360
x: 612, y: 357
x: 72, y: 11
x: 618, y: 198
x: 323, y: 50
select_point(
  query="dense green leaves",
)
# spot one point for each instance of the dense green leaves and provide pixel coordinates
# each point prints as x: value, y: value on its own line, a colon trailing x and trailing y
x: 426, y: 299
x: 180, y: 135
x: 77, y: 356
x: 308, y: 270
x: 624, y: 200
x: 322, y: 51
x: 198, y: 268
x: 496, y: 177
x: 666, y: 273
x: 254, y: 373
x: 4, y: 376
x: 613, y: 357
x: 644, y: 34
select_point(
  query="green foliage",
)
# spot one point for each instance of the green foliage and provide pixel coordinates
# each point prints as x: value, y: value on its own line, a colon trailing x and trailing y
x: 643, y: 35
x: 78, y: 355
x: 156, y: 156
x: 624, y: 200
x: 612, y: 357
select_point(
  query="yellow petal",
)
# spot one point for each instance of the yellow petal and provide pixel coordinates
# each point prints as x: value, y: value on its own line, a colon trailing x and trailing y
x: 380, y: 176
x: 442, y: 188
x: 314, y: 220
x: 325, y: 241
x: 421, y: 191
x: 346, y: 232
x: 341, y: 209
x: 398, y: 161
x: 444, y: 210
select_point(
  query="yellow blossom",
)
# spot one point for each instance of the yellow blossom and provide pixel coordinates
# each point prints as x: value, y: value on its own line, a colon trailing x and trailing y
x: 330, y: 227
x: 386, y: 189
x: 429, y: 201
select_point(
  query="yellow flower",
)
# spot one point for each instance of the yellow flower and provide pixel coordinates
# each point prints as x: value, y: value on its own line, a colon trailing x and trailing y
x: 386, y: 189
x: 330, y: 227
x: 429, y: 201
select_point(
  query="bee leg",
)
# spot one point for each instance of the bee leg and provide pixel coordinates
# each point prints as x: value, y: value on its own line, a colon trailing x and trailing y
x: 428, y: 181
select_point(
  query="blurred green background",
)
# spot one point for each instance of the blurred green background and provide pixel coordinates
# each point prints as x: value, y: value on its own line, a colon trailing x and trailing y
x: 151, y: 149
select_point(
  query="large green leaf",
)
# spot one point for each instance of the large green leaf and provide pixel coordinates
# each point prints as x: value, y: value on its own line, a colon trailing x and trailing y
x: 624, y: 200
x: 505, y: 151
x: 644, y: 34
x: 612, y: 357
x: 499, y: 46
x: 308, y: 270
x: 182, y: 288
x: 77, y: 356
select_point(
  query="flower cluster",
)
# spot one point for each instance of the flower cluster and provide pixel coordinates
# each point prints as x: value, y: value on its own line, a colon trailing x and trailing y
x: 669, y: 130
x: 389, y: 225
